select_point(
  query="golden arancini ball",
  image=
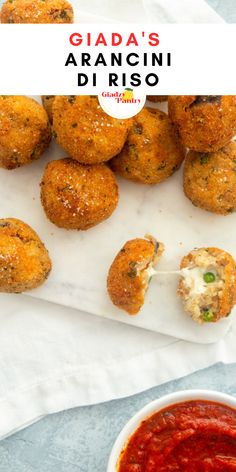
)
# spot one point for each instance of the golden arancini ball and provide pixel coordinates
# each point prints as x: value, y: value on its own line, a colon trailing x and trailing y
x: 85, y: 131
x: 206, y: 123
x: 24, y: 131
x: 152, y: 151
x: 131, y: 272
x: 210, y: 179
x: 24, y: 260
x: 75, y: 196
x: 208, y: 284
x: 36, y: 11
x: 157, y: 98
x: 48, y: 101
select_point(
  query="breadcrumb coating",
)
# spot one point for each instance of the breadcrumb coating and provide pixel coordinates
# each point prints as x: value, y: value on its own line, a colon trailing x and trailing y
x: 157, y: 98
x: 24, y: 131
x: 128, y: 276
x: 210, y: 179
x: 85, y: 131
x: 152, y: 152
x: 36, y: 11
x: 24, y: 260
x: 206, y: 123
x: 75, y: 196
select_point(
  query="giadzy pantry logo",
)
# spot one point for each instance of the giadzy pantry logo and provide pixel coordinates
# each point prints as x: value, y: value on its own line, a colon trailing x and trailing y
x: 124, y: 103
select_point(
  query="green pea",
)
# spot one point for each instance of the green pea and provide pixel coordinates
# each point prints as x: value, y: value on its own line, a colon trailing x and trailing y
x: 207, y: 315
x: 209, y: 277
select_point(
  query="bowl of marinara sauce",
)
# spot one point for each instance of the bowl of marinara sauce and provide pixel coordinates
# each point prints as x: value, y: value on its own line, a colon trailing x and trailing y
x: 188, y: 431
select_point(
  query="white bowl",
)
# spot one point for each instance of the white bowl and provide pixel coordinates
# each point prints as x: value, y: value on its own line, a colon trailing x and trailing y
x: 159, y: 404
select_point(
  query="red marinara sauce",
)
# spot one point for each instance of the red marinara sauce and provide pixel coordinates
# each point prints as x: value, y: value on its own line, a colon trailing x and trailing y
x: 193, y: 436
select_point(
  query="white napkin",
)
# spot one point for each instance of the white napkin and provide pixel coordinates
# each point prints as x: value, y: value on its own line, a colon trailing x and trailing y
x: 53, y: 358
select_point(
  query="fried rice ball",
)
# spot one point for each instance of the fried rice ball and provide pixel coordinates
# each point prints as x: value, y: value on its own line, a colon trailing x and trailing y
x: 208, y: 284
x: 131, y: 272
x: 36, y: 11
x: 48, y: 101
x: 75, y: 196
x: 210, y: 179
x: 85, y: 131
x: 24, y: 260
x: 24, y: 131
x: 206, y: 123
x: 152, y: 151
x: 157, y: 98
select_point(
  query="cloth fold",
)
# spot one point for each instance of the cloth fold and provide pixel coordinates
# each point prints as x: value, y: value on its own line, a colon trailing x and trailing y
x: 54, y: 358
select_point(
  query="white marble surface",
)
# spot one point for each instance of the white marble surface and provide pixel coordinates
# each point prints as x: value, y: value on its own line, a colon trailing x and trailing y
x: 81, y: 259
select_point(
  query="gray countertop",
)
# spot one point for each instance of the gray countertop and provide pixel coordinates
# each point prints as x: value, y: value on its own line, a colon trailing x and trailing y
x: 80, y: 440
x: 225, y: 8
